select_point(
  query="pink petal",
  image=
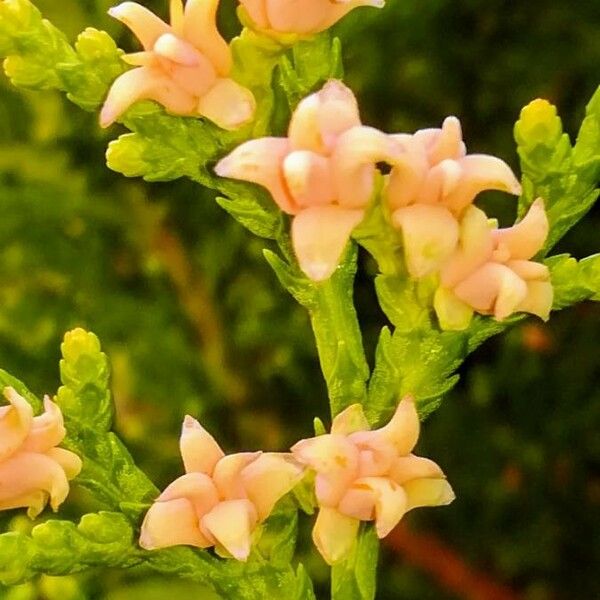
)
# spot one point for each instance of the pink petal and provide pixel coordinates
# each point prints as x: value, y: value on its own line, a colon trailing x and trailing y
x: 172, y: 523
x: 481, y: 172
x: 145, y: 25
x: 144, y: 83
x: 227, y: 474
x: 428, y: 492
x: 402, y: 431
x: 197, y: 488
x: 200, y: 29
x: 26, y: 474
x: 526, y: 238
x: 529, y: 271
x: 375, y: 457
x: 353, y: 163
x: 228, y: 104
x: 231, y: 523
x: 474, y: 247
x: 322, y: 117
x: 408, y: 174
x: 308, y: 178
x: 179, y: 51
x: 267, y: 479
x: 335, y: 460
x: 539, y: 299
x: 334, y: 535
x: 350, y: 420
x: 440, y: 181
x: 430, y: 235
x: 47, y: 430
x: 407, y: 468
x: 199, y: 450
x: 196, y: 81
x: 257, y: 11
x: 260, y: 161
x: 493, y: 289
x: 377, y: 498
x: 15, y: 422
x: 448, y: 143
x: 69, y: 462
x: 319, y: 236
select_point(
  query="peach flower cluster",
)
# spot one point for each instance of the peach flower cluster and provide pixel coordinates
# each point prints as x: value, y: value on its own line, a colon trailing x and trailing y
x: 33, y: 470
x: 221, y: 499
x: 322, y: 173
x: 303, y: 17
x: 185, y: 66
x: 361, y: 475
x: 364, y: 475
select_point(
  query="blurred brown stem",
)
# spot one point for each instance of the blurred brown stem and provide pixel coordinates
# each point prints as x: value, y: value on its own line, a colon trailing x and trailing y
x: 431, y: 555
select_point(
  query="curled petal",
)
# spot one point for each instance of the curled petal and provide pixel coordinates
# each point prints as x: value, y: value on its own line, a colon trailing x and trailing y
x: 267, y: 479
x: 335, y: 460
x: 69, y: 461
x: 197, y: 488
x: 228, y: 104
x: 447, y: 144
x: 144, y: 24
x: 322, y: 117
x: 493, y: 289
x: 350, y: 420
x: 319, y: 236
x: 481, y: 172
x: 402, y: 432
x: 172, y: 523
x: 145, y: 83
x: 200, y: 29
x: 375, y: 458
x: 25, y: 475
x: 260, y: 161
x: 441, y: 180
x: 353, y: 163
x: 179, y: 51
x: 526, y: 238
x: 407, y: 468
x: 334, y: 534
x: 227, y: 474
x: 475, y: 246
x: 430, y: 234
x: 176, y: 16
x: 15, y: 422
x: 231, y: 524
x: 308, y: 178
x: 199, y: 450
x: 539, y: 299
x: 529, y: 270
x: 257, y: 12
x: 377, y: 498
x: 47, y: 430
x: 408, y: 174
x: 428, y: 492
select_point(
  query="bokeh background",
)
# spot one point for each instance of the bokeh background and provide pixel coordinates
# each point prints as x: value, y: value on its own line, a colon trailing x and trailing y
x: 194, y: 322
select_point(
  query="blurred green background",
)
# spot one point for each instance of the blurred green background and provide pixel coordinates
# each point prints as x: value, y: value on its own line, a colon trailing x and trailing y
x: 194, y: 321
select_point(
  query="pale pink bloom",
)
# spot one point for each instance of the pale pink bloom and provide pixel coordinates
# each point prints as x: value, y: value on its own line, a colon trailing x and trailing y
x: 221, y: 500
x: 185, y: 66
x: 430, y: 187
x: 364, y: 475
x: 33, y: 470
x: 323, y: 173
x: 302, y: 17
x: 490, y: 272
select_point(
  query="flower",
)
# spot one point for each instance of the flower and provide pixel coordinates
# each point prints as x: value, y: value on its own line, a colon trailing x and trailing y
x: 490, y: 273
x: 430, y: 187
x: 184, y: 66
x: 323, y: 173
x: 33, y: 470
x: 304, y: 17
x: 364, y: 475
x: 221, y: 500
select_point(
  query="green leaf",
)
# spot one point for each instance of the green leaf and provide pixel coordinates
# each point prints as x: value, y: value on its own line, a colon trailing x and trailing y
x: 355, y: 578
x: 565, y: 178
x: 7, y: 380
x: 40, y: 57
x: 61, y: 547
x: 574, y: 281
